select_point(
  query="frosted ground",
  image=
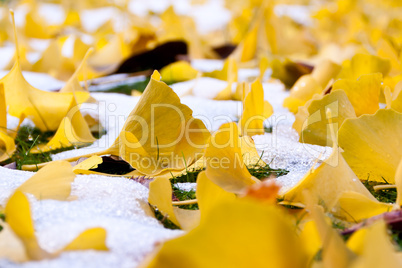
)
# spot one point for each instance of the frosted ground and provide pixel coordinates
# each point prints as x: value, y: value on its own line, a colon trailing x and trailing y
x: 120, y: 205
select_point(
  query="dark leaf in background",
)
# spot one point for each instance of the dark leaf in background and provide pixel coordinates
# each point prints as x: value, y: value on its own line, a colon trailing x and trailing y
x: 156, y: 58
x: 225, y: 50
x: 289, y: 71
x: 111, y: 165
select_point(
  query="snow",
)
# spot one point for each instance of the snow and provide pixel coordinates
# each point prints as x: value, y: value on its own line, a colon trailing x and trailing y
x: 117, y: 204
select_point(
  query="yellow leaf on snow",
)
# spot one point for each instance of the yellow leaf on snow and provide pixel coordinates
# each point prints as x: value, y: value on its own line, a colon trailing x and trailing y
x: 228, y: 73
x: 19, y: 219
x: 228, y: 70
x: 3, y: 110
x: 36, y: 26
x: 45, y: 109
x: 238, y: 233
x: 302, y: 91
x: 162, y: 130
x: 110, y: 55
x: 160, y: 196
x: 362, y: 64
x: 7, y: 145
x: 363, y: 93
x: 255, y: 111
x: 53, y: 62
x: 73, y: 131
x: 372, y: 145
x: 314, y: 124
x: 51, y: 182
x: 94, y: 238
x: 73, y: 84
x: 225, y: 164
x: 310, y: 84
x: 178, y: 71
x: 326, y: 183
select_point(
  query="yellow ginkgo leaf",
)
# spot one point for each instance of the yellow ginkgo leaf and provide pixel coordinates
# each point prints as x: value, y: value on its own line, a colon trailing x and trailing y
x: 3, y: 110
x: 396, y: 102
x: 311, y: 239
x: 356, y: 241
x: 362, y: 64
x: 355, y: 207
x: 372, y: 146
x: 302, y: 91
x: 310, y: 84
x: 248, y: 46
x: 334, y: 251
x: 249, y: 152
x: 73, y: 131
x: 45, y: 109
x: 228, y: 70
x: 255, y: 111
x: 263, y: 66
x: 73, y: 84
x: 19, y: 219
x: 314, y: 124
x: 110, y: 55
x: 162, y: 130
x: 177, y: 72
x: 72, y: 18
x: 53, y: 62
x: 377, y: 251
x: 7, y: 145
x: 228, y: 73
x: 160, y: 196
x: 264, y: 235
x: 209, y: 194
x: 94, y: 238
x: 386, y: 51
x: 225, y: 164
x: 326, y: 183
x: 179, y: 27
x: 324, y: 72
x: 51, y: 182
x: 364, y: 94
x: 36, y: 26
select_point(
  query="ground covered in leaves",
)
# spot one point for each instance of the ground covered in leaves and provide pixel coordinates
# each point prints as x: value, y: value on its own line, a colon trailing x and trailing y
x: 201, y: 133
